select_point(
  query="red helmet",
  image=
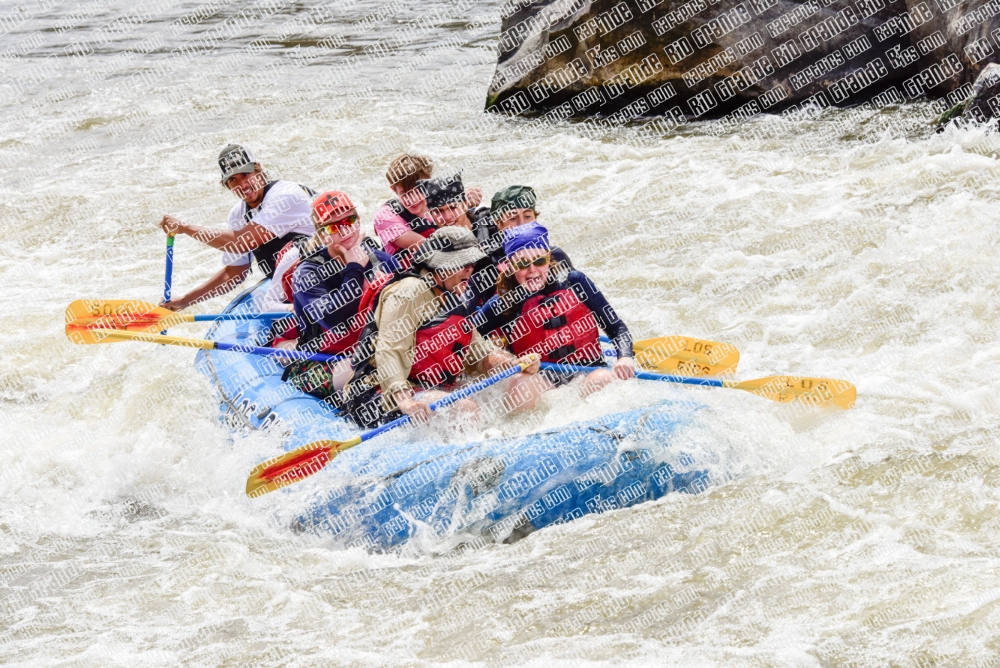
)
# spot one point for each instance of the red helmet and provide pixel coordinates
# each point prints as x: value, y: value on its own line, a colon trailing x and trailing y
x: 329, y: 206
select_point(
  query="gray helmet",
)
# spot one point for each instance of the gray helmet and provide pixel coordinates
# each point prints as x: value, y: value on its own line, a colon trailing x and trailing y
x: 449, y: 248
x: 236, y: 159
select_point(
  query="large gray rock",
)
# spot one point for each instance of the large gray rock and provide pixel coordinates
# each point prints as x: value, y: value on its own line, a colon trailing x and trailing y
x: 703, y: 59
x: 983, y: 103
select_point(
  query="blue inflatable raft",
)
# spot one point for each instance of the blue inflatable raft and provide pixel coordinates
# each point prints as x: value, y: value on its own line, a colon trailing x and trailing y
x: 403, y: 485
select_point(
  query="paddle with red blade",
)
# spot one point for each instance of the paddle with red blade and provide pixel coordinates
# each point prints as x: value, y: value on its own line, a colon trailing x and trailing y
x: 309, y: 459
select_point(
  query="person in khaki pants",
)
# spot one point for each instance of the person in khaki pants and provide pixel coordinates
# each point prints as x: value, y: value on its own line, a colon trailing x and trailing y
x: 422, y: 342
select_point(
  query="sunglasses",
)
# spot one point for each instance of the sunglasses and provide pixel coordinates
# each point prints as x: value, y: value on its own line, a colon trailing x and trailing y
x: 524, y: 264
x: 338, y: 225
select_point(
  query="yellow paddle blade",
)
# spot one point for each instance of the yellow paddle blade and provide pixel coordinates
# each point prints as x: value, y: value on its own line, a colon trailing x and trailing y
x: 827, y: 392
x: 120, y: 314
x: 88, y: 335
x: 684, y: 356
x: 294, y: 466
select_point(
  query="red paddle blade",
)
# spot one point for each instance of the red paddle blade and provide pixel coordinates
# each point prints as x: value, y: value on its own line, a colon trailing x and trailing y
x: 294, y: 466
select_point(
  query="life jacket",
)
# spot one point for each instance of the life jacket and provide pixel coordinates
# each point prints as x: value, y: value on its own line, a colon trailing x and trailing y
x: 484, y: 229
x: 288, y: 280
x: 557, y: 326
x: 267, y: 253
x: 341, y: 342
x: 372, y: 291
x: 418, y: 224
x: 440, y: 344
x: 440, y: 347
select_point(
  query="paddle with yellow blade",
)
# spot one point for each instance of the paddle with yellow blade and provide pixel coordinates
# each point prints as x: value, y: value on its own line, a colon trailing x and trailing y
x: 144, y: 332
x: 783, y: 389
x: 91, y: 321
x: 684, y: 356
x: 309, y: 459
x: 86, y: 335
x: 138, y: 316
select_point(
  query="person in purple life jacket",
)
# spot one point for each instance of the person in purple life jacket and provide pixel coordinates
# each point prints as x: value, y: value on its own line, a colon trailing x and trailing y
x: 557, y: 317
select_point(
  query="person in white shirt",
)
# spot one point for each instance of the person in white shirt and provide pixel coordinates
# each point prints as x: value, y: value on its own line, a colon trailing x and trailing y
x: 270, y: 215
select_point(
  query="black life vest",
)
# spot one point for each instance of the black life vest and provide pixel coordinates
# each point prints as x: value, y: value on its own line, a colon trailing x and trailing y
x: 484, y: 229
x: 266, y: 254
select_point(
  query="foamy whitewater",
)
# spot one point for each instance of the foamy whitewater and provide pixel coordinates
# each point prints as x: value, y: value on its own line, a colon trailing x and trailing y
x: 846, y: 244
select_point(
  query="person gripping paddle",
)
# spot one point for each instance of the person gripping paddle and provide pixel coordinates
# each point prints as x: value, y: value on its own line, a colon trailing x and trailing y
x: 421, y: 342
x: 555, y: 316
x: 269, y: 217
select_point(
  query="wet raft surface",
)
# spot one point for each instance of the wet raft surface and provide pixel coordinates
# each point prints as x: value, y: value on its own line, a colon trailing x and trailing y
x: 383, y: 492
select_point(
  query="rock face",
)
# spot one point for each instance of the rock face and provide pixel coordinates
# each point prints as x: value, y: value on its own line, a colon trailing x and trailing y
x: 702, y: 59
x: 983, y: 103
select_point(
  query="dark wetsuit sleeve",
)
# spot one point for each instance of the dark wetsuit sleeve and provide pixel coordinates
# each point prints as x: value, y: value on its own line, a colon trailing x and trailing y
x: 559, y: 255
x: 482, y: 283
x: 315, y: 302
x: 390, y: 263
x: 489, y: 317
x: 607, y: 318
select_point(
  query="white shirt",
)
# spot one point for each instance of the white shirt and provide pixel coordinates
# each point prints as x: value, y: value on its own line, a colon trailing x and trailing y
x: 286, y: 208
x: 274, y: 300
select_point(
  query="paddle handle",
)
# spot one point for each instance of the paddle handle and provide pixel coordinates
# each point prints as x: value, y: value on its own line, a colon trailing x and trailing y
x: 217, y: 317
x: 642, y: 375
x: 448, y: 400
x: 290, y: 354
x: 168, y: 275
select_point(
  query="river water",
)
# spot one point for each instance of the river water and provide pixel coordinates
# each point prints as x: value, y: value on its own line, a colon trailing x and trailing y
x: 848, y: 244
